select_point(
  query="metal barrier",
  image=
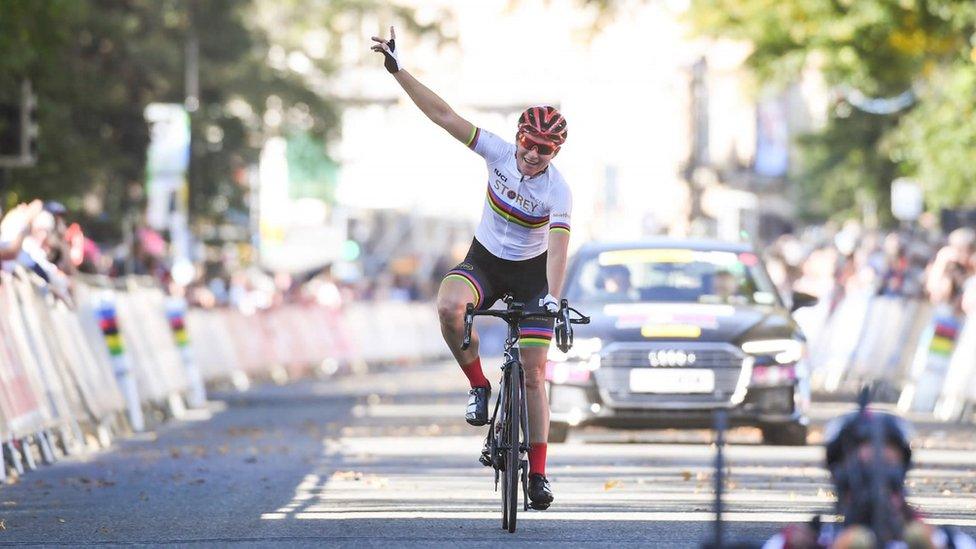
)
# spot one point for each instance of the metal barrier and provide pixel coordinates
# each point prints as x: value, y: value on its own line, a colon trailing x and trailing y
x: 297, y: 340
x: 72, y: 376
x: 922, y: 356
x: 959, y: 390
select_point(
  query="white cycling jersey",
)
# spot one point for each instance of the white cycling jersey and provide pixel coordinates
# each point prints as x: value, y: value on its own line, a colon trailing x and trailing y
x: 519, y: 211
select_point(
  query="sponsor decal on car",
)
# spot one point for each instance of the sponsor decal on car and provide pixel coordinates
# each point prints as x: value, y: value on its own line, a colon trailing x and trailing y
x: 671, y: 330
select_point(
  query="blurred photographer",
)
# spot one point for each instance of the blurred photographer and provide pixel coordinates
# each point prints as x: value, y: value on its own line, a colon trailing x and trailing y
x: 868, y: 456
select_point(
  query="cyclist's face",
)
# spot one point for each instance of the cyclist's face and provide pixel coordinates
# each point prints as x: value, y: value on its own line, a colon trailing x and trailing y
x: 529, y: 155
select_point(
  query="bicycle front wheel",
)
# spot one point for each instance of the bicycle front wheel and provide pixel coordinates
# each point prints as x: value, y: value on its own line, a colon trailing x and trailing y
x: 513, y: 461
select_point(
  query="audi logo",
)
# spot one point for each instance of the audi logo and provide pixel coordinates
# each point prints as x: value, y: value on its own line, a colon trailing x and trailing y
x: 671, y: 357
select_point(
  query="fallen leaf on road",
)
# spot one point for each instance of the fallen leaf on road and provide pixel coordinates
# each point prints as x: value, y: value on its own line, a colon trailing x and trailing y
x: 611, y: 484
x: 223, y: 449
x: 347, y: 475
x: 686, y: 475
x: 3, y: 525
x: 62, y: 521
x: 252, y: 432
x: 174, y: 453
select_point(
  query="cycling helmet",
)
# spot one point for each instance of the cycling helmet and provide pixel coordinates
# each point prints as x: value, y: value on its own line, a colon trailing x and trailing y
x: 844, y: 434
x: 545, y: 122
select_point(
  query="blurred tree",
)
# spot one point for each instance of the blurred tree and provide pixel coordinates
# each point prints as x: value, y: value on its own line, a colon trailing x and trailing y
x: 898, y: 50
x: 936, y: 142
x: 96, y: 64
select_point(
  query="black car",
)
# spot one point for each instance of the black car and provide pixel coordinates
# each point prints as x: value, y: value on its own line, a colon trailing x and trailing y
x: 679, y: 329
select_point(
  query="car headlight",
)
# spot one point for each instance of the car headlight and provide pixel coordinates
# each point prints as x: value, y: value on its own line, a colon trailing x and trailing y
x: 576, y: 365
x: 583, y: 349
x: 783, y: 351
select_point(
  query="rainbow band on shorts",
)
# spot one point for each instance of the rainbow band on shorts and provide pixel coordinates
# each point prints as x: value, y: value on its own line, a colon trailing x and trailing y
x: 535, y: 337
x: 472, y: 283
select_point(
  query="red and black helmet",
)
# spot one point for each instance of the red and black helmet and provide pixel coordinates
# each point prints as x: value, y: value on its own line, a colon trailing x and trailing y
x: 545, y: 122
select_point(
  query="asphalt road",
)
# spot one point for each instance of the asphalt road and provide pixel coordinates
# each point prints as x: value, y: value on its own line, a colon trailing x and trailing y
x: 385, y: 459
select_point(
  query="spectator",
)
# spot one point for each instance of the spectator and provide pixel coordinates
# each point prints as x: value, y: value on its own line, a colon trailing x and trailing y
x: 951, y: 267
x: 15, y: 227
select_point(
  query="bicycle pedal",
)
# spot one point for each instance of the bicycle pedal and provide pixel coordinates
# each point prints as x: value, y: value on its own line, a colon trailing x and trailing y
x: 485, y: 460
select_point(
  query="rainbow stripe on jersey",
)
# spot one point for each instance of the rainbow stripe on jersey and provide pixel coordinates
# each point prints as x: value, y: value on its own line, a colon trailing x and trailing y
x: 513, y: 214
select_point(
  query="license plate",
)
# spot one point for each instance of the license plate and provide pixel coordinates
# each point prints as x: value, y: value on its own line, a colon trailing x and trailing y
x: 645, y: 380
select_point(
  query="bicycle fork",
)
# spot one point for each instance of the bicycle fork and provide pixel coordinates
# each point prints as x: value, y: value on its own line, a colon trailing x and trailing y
x: 489, y: 452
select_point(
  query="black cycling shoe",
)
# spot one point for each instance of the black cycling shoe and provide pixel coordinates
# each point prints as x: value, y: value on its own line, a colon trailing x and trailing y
x: 477, y: 412
x: 540, y: 493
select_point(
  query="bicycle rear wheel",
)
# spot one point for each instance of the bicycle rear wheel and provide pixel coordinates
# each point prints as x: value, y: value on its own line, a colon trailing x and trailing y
x: 513, y: 449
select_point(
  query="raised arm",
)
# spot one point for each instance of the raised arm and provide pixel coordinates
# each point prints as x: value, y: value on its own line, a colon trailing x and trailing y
x: 427, y: 101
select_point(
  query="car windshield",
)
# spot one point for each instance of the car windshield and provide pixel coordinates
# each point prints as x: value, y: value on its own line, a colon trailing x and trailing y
x: 672, y: 275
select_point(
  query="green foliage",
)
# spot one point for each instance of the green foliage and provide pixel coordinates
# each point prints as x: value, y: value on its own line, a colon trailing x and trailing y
x: 840, y: 167
x: 880, y: 48
x: 936, y: 142
x: 96, y: 64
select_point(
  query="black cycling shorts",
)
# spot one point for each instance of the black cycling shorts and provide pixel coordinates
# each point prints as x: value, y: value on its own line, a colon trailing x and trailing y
x: 491, y: 277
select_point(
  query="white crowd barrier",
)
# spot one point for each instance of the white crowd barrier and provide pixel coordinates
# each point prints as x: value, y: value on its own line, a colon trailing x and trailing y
x: 924, y: 356
x: 296, y: 340
x: 120, y: 355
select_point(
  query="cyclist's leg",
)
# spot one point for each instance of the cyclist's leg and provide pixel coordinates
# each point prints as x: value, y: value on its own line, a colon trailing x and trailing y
x: 468, y: 282
x: 534, y: 347
x: 453, y: 296
x: 534, y: 344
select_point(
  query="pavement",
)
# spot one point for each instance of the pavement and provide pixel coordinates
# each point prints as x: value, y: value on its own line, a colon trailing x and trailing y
x: 384, y: 458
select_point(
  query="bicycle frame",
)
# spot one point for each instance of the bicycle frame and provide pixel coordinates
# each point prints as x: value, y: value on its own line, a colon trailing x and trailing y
x: 500, y: 439
x: 512, y: 361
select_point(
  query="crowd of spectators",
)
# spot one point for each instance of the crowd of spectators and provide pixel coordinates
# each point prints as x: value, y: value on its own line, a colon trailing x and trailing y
x: 916, y: 263
x: 826, y: 261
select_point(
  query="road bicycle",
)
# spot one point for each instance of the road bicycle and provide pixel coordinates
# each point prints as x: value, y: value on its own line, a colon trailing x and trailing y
x: 507, y: 442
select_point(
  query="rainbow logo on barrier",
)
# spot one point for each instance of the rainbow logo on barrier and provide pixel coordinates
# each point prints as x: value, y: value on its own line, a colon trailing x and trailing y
x: 110, y: 328
x: 944, y: 338
x: 175, y: 316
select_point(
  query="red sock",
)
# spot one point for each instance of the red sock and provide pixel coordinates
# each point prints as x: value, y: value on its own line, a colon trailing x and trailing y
x: 475, y: 375
x: 537, y: 458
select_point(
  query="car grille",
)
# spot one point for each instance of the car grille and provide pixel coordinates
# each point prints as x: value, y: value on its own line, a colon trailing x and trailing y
x: 618, y: 359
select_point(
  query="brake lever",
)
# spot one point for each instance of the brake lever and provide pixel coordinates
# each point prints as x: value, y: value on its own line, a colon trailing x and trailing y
x: 582, y: 318
x: 468, y: 321
x: 563, y: 331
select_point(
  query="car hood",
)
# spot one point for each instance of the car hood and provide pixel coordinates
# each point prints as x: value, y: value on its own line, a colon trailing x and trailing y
x: 684, y: 321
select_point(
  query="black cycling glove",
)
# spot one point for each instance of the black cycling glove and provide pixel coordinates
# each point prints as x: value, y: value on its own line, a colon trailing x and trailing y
x: 390, y: 60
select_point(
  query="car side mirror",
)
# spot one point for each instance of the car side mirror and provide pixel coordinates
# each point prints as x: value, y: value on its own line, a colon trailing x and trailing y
x: 801, y: 299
